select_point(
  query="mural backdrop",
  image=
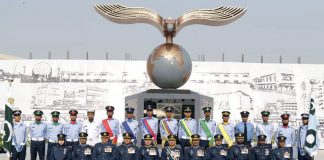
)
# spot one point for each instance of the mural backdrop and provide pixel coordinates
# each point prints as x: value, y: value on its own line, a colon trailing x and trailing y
x: 65, y: 84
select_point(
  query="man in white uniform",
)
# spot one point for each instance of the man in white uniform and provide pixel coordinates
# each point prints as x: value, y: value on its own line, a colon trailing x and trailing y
x: 92, y: 128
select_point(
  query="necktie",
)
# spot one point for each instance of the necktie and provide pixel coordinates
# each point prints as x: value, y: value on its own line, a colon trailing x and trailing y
x: 245, y: 133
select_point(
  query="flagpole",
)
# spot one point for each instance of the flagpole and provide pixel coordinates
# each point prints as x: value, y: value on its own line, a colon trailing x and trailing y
x: 11, y: 102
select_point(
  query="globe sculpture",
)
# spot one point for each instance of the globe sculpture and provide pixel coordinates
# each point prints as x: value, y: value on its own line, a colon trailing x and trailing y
x: 169, y: 65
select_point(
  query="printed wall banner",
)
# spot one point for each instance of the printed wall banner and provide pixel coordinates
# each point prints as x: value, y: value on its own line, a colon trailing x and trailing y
x: 92, y: 84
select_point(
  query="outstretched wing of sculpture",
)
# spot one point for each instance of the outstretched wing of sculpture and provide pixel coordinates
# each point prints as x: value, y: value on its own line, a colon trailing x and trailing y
x: 211, y: 17
x: 128, y: 15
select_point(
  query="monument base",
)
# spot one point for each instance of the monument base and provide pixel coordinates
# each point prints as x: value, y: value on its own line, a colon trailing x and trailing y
x: 161, y: 98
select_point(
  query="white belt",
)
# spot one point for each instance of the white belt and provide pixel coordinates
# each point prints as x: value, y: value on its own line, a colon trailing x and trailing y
x: 204, y: 138
x: 288, y: 145
x: 22, y: 144
x: 185, y: 137
x: 112, y: 137
x: 38, y: 139
x: 52, y: 141
x: 72, y: 140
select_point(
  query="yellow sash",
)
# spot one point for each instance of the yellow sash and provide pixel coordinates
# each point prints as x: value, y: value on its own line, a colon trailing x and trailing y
x: 226, y: 136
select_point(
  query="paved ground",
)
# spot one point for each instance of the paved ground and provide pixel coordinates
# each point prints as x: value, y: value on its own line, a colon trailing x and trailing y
x: 319, y: 156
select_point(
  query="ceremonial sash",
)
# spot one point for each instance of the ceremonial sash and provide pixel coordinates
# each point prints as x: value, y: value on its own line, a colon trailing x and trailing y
x: 185, y: 128
x: 148, y: 128
x: 170, y: 152
x: 128, y: 129
x: 204, y: 126
x: 225, y: 134
x: 108, y: 129
x: 268, y: 137
x: 166, y: 127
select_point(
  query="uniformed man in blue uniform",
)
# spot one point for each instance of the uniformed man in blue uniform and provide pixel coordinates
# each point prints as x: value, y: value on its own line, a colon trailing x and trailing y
x: 83, y: 151
x: 187, y: 127
x: 53, y: 129
x: 168, y: 126
x: 301, y: 139
x: 72, y: 129
x: 37, y: 135
x: 172, y: 152
x: 282, y: 152
x: 239, y: 151
x: 130, y: 125
x: 148, y: 151
x: 195, y: 152
x: 104, y: 150
x: 19, y: 137
x: 127, y: 151
x: 261, y: 151
x: 218, y: 151
x: 61, y: 151
x: 265, y: 128
x: 110, y: 124
x: 246, y: 128
x: 206, y: 129
x: 226, y: 129
x: 149, y: 125
x: 287, y: 131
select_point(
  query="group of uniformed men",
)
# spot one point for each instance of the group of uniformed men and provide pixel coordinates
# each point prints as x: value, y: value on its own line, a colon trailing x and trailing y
x: 201, y: 139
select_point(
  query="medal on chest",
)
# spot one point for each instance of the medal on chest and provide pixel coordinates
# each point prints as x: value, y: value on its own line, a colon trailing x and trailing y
x: 108, y: 149
x: 131, y: 150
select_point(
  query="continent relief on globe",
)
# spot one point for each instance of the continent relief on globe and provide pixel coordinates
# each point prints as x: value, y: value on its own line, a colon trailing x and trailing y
x: 169, y: 66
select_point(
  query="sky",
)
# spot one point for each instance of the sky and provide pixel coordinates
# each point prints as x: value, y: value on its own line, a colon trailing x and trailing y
x: 290, y: 28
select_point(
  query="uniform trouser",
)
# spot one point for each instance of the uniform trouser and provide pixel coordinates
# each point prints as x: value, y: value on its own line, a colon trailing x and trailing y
x: 184, y: 143
x: 37, y: 146
x: 72, y: 144
x: 18, y: 155
x: 49, y: 149
x: 204, y: 143
x: 304, y: 157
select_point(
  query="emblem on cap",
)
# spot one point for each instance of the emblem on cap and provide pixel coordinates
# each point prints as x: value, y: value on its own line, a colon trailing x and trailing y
x: 218, y: 136
x: 38, y: 112
x: 104, y: 134
x: 265, y: 113
x: 129, y: 110
x: 245, y: 113
x: 172, y: 137
x: 207, y: 109
x: 16, y: 112
x: 127, y: 135
x: 110, y: 108
x: 83, y: 135
x: 73, y: 112
x: 226, y: 113
x: 148, y: 137
x: 149, y: 107
x: 187, y: 109
x: 169, y: 109
x: 285, y: 116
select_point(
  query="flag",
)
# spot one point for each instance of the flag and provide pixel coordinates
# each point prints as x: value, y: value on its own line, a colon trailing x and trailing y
x: 7, y: 139
x: 310, y: 142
